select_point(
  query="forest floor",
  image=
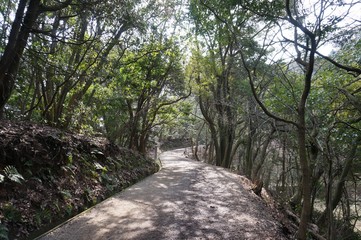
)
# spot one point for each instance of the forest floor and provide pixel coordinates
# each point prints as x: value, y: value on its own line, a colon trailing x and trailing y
x: 186, y: 199
x: 48, y: 175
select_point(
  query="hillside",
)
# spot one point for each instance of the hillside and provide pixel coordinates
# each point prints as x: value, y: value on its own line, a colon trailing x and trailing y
x: 49, y: 175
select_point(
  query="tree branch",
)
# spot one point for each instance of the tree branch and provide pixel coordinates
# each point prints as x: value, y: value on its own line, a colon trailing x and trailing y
x: 255, y: 95
x: 43, y: 8
x: 357, y: 71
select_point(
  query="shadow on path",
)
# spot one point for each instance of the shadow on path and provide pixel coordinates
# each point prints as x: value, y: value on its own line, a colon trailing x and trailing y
x: 185, y: 200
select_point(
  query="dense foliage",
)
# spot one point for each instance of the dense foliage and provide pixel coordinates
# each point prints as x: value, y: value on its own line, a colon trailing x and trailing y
x: 270, y: 88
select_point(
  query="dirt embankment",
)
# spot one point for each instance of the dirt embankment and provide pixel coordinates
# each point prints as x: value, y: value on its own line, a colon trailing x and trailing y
x: 48, y: 175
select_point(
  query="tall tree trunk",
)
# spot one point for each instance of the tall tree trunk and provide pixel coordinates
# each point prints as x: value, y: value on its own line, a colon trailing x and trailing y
x: 306, y: 183
x: 256, y: 171
x: 195, y: 153
x: 249, y: 155
x: 337, y: 194
x: 283, y: 175
x: 18, y: 38
x: 301, y: 124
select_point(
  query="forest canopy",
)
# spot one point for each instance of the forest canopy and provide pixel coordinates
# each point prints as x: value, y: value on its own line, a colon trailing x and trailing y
x: 270, y: 88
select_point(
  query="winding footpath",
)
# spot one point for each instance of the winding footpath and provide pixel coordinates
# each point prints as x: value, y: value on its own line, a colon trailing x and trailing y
x: 185, y: 200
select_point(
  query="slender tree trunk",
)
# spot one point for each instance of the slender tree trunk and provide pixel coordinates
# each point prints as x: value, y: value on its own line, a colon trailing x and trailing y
x: 337, y: 194
x: 195, y: 152
x: 18, y: 38
x: 143, y: 140
x: 211, y: 152
x: 249, y: 153
x: 256, y: 171
x: 306, y: 184
x: 283, y: 175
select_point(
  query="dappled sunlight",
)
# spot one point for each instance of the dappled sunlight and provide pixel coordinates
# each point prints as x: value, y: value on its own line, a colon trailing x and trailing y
x: 185, y: 200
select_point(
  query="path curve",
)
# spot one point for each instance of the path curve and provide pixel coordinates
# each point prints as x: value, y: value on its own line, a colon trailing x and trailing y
x: 185, y: 200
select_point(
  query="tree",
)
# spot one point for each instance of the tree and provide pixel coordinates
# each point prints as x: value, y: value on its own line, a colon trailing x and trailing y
x: 75, y: 51
x: 149, y: 80
x: 309, y: 35
x: 218, y: 81
x: 27, y: 13
x: 338, y: 136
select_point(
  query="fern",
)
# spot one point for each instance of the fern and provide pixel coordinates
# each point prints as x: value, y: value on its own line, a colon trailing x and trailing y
x: 12, y: 173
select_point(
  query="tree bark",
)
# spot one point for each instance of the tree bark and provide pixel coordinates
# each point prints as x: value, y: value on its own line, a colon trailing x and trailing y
x: 306, y: 184
x: 256, y: 171
x: 18, y: 38
x: 336, y: 196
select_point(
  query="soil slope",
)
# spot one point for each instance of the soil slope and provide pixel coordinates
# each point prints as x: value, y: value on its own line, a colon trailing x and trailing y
x: 48, y: 175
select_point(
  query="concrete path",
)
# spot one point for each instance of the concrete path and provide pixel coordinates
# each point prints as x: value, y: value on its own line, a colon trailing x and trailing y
x: 185, y: 200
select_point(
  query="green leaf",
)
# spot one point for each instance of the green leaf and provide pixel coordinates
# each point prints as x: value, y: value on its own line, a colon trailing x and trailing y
x: 12, y: 173
x: 98, y: 166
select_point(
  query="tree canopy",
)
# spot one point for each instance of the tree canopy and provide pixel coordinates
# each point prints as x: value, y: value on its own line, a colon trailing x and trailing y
x: 271, y: 89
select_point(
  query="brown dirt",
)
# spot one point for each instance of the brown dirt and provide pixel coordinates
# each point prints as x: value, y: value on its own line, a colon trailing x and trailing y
x: 63, y: 173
